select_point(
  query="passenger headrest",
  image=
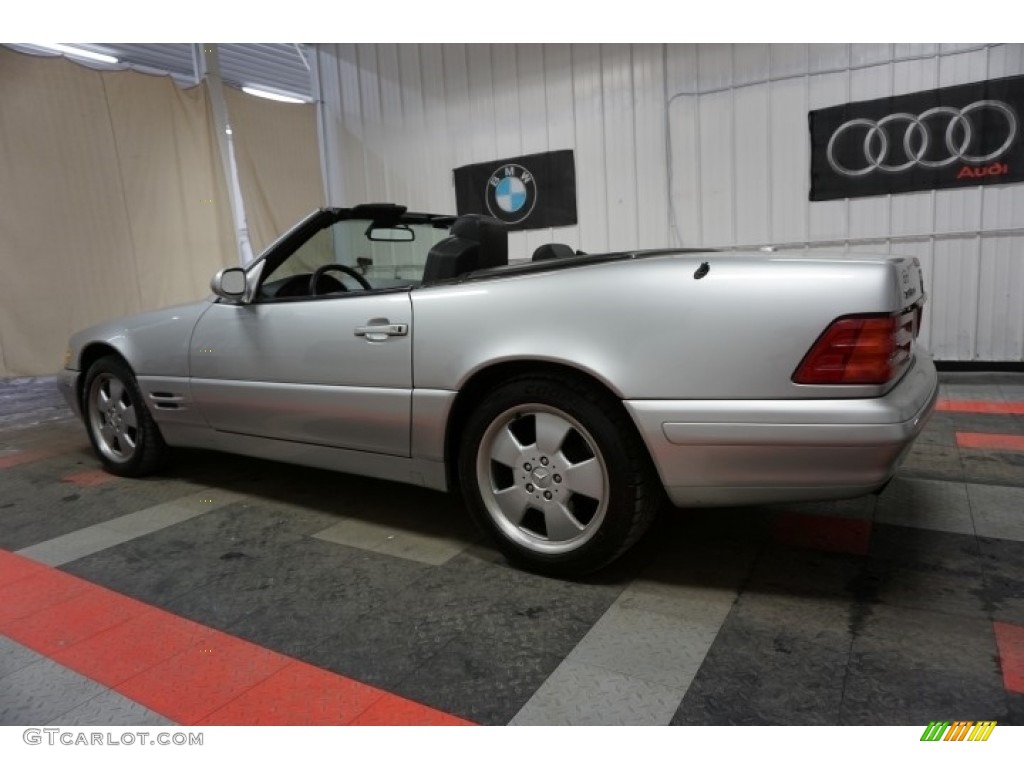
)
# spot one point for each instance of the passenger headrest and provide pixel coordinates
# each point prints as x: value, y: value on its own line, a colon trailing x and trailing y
x: 552, y: 251
x: 491, y: 233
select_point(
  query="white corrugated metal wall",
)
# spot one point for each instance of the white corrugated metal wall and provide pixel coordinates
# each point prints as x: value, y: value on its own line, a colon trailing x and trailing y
x: 687, y: 145
x: 399, y: 118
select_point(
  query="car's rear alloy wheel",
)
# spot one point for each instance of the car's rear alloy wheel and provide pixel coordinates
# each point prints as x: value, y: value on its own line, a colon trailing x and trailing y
x: 121, y: 429
x: 545, y: 481
x: 554, y: 469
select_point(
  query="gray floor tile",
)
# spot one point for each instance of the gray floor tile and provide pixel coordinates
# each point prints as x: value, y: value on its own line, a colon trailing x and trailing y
x: 998, y: 511
x: 779, y: 659
x: 75, y: 545
x: 95, y: 538
x: 906, y: 665
x: 40, y: 692
x: 14, y: 656
x: 66, y: 507
x: 934, y: 589
x: 931, y: 504
x: 155, y: 518
x: 932, y: 461
x: 917, y: 547
x: 702, y: 602
x: 393, y: 540
x: 804, y: 572
x: 110, y: 708
x: 821, y: 619
x: 656, y: 647
x: 1012, y: 392
x: 993, y: 467
x: 1003, y: 564
x: 486, y: 677
x: 579, y: 694
x: 956, y: 391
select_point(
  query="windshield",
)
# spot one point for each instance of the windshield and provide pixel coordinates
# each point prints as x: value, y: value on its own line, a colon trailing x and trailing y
x: 394, y: 257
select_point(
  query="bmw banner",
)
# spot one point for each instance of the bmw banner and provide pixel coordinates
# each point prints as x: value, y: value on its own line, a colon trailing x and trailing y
x: 959, y: 136
x: 528, y: 192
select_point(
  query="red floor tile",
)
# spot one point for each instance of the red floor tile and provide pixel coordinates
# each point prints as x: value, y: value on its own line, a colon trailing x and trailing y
x: 183, y: 670
x: 991, y: 442
x: 190, y: 685
x: 89, y: 477
x: 125, y: 650
x: 394, y: 710
x: 62, y: 625
x: 299, y: 694
x: 14, y: 568
x: 36, y: 593
x: 827, y: 534
x: 979, y: 406
x: 1010, y: 642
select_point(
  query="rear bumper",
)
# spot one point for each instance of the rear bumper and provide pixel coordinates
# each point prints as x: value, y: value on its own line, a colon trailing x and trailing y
x: 726, y: 452
x: 67, y: 383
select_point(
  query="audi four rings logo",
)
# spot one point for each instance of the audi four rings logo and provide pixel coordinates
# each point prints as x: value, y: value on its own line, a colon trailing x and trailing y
x: 936, y: 138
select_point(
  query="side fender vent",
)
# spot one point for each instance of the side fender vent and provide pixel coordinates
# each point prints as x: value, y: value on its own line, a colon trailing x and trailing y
x: 167, y: 401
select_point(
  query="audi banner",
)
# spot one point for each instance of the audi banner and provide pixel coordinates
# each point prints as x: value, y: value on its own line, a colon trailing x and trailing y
x: 959, y: 136
x: 528, y: 192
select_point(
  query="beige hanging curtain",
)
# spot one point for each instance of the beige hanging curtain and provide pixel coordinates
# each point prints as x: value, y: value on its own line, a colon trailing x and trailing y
x: 111, y: 201
x: 278, y: 159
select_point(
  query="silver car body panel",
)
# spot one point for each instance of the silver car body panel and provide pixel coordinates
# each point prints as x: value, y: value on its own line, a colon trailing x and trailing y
x: 154, y: 343
x: 703, y: 366
x: 297, y: 371
x: 430, y: 474
x: 715, y: 452
x: 648, y: 330
x: 430, y: 410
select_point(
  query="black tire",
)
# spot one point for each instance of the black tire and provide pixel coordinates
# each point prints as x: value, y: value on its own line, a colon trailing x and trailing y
x: 604, y: 518
x: 127, y: 449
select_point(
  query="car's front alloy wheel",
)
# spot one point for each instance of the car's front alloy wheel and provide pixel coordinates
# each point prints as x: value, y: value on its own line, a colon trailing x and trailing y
x: 554, y: 470
x: 121, y: 429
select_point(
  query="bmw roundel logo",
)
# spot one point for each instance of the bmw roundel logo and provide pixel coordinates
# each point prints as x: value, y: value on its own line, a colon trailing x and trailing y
x: 511, y: 193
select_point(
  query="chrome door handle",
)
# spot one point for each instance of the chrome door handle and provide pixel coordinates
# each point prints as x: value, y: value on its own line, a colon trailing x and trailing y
x: 382, y: 331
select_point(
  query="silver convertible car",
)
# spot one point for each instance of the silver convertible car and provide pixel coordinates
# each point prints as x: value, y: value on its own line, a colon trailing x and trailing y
x: 565, y: 397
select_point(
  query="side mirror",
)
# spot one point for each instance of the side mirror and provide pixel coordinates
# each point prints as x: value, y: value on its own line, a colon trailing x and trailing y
x: 229, y: 283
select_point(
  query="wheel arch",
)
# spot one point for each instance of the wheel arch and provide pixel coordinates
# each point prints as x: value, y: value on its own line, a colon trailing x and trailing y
x: 89, y: 355
x: 487, y: 378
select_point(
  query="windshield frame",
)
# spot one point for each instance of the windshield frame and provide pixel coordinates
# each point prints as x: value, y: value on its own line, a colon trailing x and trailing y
x: 375, y: 215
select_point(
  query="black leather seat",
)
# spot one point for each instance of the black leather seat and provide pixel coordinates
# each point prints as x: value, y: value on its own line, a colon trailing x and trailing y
x: 552, y: 251
x: 476, y: 242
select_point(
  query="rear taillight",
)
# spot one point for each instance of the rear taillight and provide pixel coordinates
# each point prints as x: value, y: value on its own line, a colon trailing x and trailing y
x: 862, y: 349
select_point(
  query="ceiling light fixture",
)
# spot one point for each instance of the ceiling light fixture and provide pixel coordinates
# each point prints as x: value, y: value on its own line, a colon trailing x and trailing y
x: 79, y: 53
x: 273, y: 96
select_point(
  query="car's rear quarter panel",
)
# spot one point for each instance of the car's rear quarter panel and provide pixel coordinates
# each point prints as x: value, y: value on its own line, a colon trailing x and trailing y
x: 647, y: 328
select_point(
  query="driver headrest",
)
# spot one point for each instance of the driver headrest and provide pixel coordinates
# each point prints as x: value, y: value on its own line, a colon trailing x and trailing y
x: 490, y: 233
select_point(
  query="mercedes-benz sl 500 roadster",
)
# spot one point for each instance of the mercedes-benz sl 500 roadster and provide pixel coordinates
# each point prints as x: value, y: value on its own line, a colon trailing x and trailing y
x: 566, y: 397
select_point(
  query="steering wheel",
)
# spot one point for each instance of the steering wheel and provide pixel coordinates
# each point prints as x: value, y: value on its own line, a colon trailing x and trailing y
x: 315, y: 277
